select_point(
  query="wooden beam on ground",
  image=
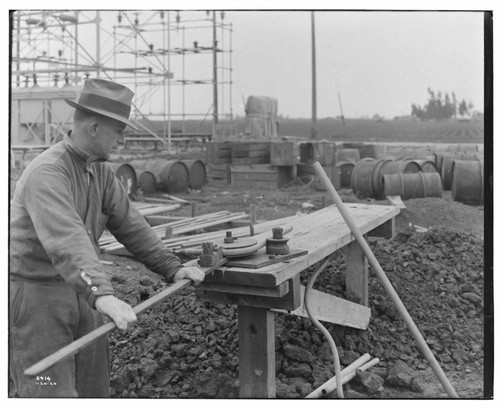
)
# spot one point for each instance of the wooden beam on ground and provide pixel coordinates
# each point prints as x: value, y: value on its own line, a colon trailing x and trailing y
x: 332, y: 309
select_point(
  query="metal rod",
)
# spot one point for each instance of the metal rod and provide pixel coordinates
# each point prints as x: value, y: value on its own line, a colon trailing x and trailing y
x: 333, y: 381
x: 424, y: 348
x: 84, y: 341
x: 348, y: 377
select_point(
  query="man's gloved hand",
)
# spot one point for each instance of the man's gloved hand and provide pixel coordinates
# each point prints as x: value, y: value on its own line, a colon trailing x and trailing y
x: 121, y: 312
x: 190, y: 272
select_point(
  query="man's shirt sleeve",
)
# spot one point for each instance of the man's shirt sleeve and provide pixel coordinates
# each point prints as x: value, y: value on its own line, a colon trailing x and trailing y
x: 47, y: 198
x: 132, y: 230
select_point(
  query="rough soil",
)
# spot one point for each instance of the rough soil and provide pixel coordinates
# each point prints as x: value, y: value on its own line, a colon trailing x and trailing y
x: 186, y: 348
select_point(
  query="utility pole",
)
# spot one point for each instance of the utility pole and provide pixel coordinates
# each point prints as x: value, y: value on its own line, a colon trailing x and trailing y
x: 341, y: 110
x: 313, y: 38
x: 18, y: 48
x: 98, y: 43
x: 216, y: 103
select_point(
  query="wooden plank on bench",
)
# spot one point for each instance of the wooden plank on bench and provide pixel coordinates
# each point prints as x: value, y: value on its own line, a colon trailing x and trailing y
x: 320, y: 233
x: 332, y: 309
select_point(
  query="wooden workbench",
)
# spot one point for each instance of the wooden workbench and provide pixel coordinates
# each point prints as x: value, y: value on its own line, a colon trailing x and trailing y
x: 261, y: 292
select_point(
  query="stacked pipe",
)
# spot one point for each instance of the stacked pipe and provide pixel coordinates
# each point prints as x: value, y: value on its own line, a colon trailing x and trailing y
x: 367, y: 178
x: 445, y: 162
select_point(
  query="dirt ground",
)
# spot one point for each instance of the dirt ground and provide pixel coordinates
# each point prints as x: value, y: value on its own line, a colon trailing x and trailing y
x: 186, y: 348
x: 438, y: 214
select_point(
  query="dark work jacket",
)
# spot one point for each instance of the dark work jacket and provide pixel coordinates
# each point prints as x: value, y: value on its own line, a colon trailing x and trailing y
x: 61, y: 205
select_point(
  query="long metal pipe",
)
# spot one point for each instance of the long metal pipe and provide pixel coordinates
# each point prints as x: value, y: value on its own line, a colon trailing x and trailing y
x: 84, y: 341
x: 424, y: 348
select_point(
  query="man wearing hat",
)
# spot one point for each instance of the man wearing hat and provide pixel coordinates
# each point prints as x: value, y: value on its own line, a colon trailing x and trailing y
x: 58, y: 289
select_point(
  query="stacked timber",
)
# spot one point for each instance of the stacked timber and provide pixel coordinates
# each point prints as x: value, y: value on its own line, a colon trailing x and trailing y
x: 171, y: 233
x: 247, y: 153
x: 261, y: 176
x: 268, y: 164
x: 218, y: 159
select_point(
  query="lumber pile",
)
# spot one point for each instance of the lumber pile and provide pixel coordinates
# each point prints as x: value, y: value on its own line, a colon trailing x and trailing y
x: 172, y: 233
x: 265, y: 164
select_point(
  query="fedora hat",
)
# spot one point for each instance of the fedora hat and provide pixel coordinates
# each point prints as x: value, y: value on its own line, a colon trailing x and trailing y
x: 105, y: 98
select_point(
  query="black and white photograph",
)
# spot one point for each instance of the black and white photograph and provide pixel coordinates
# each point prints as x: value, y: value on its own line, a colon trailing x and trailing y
x: 237, y: 203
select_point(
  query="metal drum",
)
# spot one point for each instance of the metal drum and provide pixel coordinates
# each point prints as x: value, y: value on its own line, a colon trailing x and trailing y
x: 127, y: 176
x: 197, y: 173
x: 467, y: 184
x: 172, y: 176
x: 413, y: 185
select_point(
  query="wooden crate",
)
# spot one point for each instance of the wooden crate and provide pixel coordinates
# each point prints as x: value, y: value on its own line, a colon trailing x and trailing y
x: 284, y: 153
x: 262, y: 176
x: 247, y: 153
x: 321, y: 151
x: 218, y: 152
x: 219, y: 173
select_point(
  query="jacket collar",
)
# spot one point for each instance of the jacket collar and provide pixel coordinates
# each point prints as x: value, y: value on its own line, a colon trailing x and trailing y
x: 75, y: 149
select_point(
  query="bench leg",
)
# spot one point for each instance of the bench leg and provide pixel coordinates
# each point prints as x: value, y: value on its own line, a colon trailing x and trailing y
x: 356, y: 274
x: 256, y: 351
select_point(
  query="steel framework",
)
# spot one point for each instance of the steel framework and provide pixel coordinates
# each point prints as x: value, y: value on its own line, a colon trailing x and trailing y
x: 159, y: 54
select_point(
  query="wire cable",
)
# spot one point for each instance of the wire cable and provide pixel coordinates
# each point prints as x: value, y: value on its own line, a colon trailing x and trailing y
x: 329, y: 338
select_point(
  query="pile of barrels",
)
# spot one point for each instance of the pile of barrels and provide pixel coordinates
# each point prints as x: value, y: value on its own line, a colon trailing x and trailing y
x: 160, y: 175
x: 460, y: 172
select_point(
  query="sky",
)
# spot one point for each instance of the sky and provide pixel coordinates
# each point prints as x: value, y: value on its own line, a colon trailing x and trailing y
x: 378, y: 62
x: 371, y: 62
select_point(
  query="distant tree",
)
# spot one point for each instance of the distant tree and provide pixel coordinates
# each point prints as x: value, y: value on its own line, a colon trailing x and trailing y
x: 462, y: 108
x: 454, y: 104
x: 439, y: 107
